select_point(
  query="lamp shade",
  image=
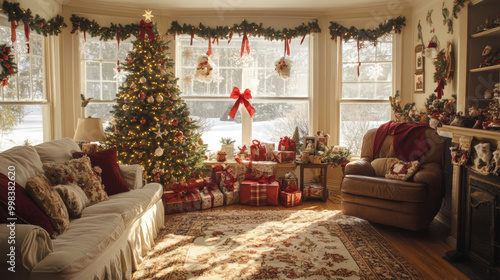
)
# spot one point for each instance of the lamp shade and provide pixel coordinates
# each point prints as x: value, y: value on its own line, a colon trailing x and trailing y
x: 89, y: 130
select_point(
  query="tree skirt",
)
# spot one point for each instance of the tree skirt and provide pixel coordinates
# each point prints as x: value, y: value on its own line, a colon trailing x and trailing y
x: 272, y: 245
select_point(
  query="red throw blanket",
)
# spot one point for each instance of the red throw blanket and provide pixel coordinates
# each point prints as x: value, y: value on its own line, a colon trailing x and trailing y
x: 409, y: 139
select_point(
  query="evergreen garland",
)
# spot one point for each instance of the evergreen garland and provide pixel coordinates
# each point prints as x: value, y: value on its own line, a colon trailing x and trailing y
x: 253, y: 29
x: 104, y: 33
x: 440, y: 64
x: 395, y: 24
x: 37, y: 23
x: 457, y: 6
x: 8, y: 66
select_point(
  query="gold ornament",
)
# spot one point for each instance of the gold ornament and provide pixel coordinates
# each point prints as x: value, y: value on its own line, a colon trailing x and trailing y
x: 151, y: 99
x: 159, y: 98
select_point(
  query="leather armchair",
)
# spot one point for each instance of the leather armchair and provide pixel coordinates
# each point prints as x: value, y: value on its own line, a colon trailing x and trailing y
x: 408, y: 204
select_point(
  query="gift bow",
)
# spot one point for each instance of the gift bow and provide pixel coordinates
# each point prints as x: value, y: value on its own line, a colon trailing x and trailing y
x: 241, y: 98
x: 146, y: 28
x: 242, y: 149
x: 291, y: 189
x: 264, y: 179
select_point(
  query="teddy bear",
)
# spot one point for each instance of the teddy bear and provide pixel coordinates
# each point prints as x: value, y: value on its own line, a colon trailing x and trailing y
x: 496, y: 162
x: 490, y: 57
x: 483, y: 159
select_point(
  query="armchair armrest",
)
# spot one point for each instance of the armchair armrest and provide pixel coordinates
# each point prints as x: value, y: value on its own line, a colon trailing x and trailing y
x: 132, y: 174
x: 360, y: 167
x: 32, y: 244
x: 431, y: 175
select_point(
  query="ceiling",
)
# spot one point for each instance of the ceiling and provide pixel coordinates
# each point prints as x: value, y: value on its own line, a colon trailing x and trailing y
x: 169, y: 6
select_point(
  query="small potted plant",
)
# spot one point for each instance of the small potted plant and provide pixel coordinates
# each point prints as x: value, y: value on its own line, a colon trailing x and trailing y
x: 227, y: 145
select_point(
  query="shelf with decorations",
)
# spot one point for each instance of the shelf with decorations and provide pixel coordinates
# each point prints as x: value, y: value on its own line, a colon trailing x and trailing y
x: 487, y: 33
x: 484, y: 69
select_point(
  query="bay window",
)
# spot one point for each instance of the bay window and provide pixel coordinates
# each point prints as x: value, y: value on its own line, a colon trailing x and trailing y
x: 281, y: 105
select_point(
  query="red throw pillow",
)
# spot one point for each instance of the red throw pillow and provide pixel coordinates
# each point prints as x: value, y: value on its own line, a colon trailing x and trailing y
x: 26, y: 211
x: 107, y: 160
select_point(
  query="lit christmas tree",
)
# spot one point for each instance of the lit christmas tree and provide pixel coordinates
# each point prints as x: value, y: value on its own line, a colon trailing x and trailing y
x: 151, y: 124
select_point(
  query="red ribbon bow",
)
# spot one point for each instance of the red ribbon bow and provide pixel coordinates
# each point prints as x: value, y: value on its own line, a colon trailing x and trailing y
x: 439, y: 89
x: 266, y: 179
x: 209, y: 52
x: 287, y: 47
x: 146, y: 28
x: 241, y: 98
x: 291, y: 189
x: 245, y: 44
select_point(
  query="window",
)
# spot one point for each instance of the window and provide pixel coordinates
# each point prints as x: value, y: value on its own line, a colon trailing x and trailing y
x: 281, y: 105
x: 102, y: 79
x: 364, y: 102
x: 23, y: 101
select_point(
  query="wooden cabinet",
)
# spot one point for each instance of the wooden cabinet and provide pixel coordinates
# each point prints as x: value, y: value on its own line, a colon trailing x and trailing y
x: 480, y: 79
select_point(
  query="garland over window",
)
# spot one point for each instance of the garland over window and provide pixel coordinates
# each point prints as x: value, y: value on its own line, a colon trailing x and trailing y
x: 251, y: 29
x: 37, y: 23
x: 395, y: 24
x: 7, y: 65
x: 115, y: 31
x: 457, y: 6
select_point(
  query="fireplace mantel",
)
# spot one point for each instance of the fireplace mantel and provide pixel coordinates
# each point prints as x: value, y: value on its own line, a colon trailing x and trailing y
x: 480, y: 134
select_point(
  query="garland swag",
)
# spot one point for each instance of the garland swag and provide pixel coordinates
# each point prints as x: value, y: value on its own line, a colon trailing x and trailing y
x: 40, y: 25
x: 337, y: 30
x: 253, y: 29
x: 7, y: 65
x: 115, y: 31
x: 457, y: 6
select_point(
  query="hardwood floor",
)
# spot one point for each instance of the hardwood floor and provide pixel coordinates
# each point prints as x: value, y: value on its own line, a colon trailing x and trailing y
x: 423, y: 249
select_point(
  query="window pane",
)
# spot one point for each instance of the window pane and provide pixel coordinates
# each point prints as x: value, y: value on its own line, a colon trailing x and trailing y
x: 108, y: 71
x: 99, y: 110
x: 108, y: 50
x: 92, y: 49
x: 356, y: 119
x: 20, y: 125
x: 93, y: 71
x: 93, y: 90
x: 212, y: 116
x: 275, y: 120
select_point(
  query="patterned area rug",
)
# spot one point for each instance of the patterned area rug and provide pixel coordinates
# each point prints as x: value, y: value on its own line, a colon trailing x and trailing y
x: 272, y: 245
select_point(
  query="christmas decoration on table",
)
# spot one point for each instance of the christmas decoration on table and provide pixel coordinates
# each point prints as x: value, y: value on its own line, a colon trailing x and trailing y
x: 242, y: 153
x: 431, y: 47
x: 395, y: 24
x: 221, y: 156
x: 7, y: 65
x: 458, y: 5
x: 428, y: 18
x: 296, y: 139
x: 444, y: 64
x: 489, y: 23
x: 257, y: 151
x: 282, y: 67
x: 491, y: 56
x: 321, y: 140
x: 492, y: 113
x: 140, y: 118
x: 241, y: 99
x: 204, y: 69
x: 336, y: 155
x: 447, y: 20
x: 227, y: 145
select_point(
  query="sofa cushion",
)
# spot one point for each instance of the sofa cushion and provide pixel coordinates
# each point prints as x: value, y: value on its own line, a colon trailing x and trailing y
x: 128, y: 204
x: 85, y: 239
x: 381, y: 165
x: 49, y: 201
x: 26, y: 209
x: 78, y: 171
x: 107, y: 160
x: 74, y: 198
x: 57, y: 150
x: 25, y: 161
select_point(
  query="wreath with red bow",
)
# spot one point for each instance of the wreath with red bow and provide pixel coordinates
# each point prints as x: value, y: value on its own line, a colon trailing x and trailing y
x: 9, y: 67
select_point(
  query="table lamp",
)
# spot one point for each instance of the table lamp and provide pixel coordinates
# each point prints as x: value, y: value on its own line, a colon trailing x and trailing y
x: 89, y: 130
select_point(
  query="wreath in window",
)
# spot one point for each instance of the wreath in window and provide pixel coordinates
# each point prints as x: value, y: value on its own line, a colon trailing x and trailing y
x: 8, y: 65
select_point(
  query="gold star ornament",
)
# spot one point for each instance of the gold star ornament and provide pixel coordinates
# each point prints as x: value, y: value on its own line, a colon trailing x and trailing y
x: 148, y: 15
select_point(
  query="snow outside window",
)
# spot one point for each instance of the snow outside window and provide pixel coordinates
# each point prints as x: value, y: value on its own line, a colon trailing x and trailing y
x: 281, y: 105
x: 364, y: 102
x: 23, y: 101
x: 101, y: 78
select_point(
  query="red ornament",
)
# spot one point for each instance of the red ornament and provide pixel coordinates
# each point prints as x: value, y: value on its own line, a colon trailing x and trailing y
x: 140, y: 145
x: 179, y: 134
x: 143, y: 121
x: 193, y: 175
x: 171, y: 108
x: 175, y: 122
x: 134, y: 120
x: 174, y: 152
x: 206, y: 157
x: 142, y: 95
x: 185, y: 169
x: 194, y: 147
x: 169, y: 102
x: 124, y: 146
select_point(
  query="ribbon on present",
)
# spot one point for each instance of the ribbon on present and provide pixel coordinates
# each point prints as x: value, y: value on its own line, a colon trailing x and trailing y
x: 241, y: 98
x: 229, y: 181
x: 208, y: 190
x: 146, y: 29
x: 258, y: 195
x: 257, y: 152
x: 286, y: 144
x: 291, y: 188
x: 176, y: 195
x: 196, y: 184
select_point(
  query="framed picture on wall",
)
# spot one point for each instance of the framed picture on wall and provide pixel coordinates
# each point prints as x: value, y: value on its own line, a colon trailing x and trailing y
x: 419, y: 58
x: 419, y: 82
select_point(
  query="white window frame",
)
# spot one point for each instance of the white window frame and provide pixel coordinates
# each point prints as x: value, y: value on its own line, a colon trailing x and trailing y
x: 246, y: 119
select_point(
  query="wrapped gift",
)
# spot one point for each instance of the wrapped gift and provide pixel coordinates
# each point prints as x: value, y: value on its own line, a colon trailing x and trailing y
x: 291, y: 199
x: 270, y: 147
x: 176, y: 202
x: 257, y: 151
x: 284, y: 156
x: 211, y: 196
x: 218, y: 170
x: 314, y: 191
x: 257, y: 169
x: 243, y: 153
x: 286, y: 144
x: 196, y: 184
x: 290, y: 180
x: 265, y: 192
x: 230, y: 190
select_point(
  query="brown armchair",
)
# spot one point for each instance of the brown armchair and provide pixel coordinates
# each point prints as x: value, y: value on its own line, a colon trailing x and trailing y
x: 405, y: 204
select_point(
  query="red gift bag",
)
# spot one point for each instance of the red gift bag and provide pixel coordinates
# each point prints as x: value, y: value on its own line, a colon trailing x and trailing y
x: 286, y: 144
x: 257, y: 151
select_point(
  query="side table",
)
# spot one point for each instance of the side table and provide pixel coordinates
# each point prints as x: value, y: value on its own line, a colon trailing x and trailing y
x: 323, y: 173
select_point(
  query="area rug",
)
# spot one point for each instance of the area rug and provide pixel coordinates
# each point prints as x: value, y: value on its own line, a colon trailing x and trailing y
x: 286, y: 244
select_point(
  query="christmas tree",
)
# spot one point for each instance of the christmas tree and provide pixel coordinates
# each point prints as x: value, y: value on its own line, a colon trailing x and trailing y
x: 151, y: 124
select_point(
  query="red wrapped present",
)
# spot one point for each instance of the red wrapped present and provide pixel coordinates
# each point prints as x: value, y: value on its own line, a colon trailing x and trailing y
x: 217, y: 170
x: 230, y: 188
x: 286, y: 144
x: 289, y: 182
x: 211, y: 196
x: 176, y: 202
x: 257, y: 151
x: 196, y: 184
x: 315, y: 191
x: 291, y: 199
x: 257, y: 169
x: 259, y: 193
x: 284, y: 156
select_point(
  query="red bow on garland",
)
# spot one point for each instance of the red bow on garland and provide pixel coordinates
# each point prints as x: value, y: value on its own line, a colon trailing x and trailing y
x: 241, y: 98
x: 146, y: 28
x: 245, y: 44
x: 439, y: 89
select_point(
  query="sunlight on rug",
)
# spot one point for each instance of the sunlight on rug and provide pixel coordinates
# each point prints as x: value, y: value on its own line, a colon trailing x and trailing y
x: 272, y: 245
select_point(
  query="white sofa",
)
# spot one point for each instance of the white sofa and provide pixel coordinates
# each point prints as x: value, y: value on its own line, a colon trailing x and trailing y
x: 110, y: 239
